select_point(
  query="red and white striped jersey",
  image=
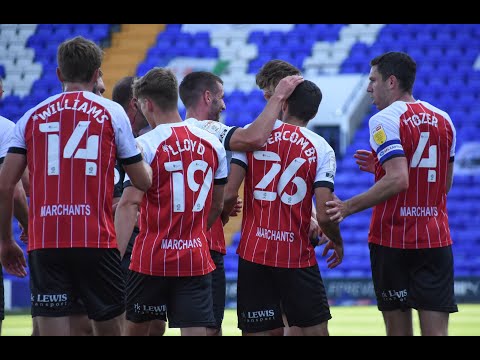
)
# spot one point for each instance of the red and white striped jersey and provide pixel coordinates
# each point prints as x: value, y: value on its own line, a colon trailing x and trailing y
x: 425, y: 135
x: 186, y: 163
x: 71, y: 141
x: 221, y: 131
x: 280, y: 182
x: 6, y: 130
x: 216, y: 236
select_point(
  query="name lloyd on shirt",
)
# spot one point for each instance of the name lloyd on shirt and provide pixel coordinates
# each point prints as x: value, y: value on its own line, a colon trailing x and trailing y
x: 187, y: 145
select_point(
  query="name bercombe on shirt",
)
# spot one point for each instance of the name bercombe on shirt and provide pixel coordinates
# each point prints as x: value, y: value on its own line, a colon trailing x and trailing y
x: 294, y: 138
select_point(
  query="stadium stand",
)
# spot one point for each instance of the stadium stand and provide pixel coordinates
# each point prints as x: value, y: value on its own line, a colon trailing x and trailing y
x: 448, y: 75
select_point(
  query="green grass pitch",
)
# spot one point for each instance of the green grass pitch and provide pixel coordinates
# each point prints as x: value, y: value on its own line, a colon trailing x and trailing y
x: 346, y: 321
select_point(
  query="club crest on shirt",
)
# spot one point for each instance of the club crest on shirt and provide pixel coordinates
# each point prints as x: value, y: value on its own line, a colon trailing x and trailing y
x: 212, y: 126
x: 379, y: 135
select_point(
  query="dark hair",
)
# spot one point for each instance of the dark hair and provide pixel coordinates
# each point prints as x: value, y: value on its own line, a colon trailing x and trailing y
x: 304, y: 101
x: 122, y: 91
x: 273, y: 71
x: 194, y: 85
x: 78, y: 59
x: 398, y: 64
x: 160, y: 85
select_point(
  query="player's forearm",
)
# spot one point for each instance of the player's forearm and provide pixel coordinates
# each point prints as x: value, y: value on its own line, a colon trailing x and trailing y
x: 255, y: 136
x: 125, y: 219
x: 381, y: 191
x: 140, y: 175
x: 6, y: 211
x: 20, y: 205
x: 229, y: 203
x: 214, y: 213
x: 329, y: 228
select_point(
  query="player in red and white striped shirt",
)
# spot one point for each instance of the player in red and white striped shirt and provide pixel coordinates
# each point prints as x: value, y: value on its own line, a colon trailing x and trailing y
x: 171, y: 264
x: 413, y: 143
x: 70, y: 142
x: 276, y: 256
x: 202, y: 94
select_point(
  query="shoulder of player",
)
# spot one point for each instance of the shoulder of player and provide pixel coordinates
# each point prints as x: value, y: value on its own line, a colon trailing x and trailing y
x: 6, y: 123
x: 314, y: 138
x: 203, y: 132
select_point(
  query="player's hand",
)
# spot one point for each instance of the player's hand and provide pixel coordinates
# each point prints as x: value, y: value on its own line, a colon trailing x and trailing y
x: 286, y: 86
x: 237, y: 209
x: 336, y: 257
x: 337, y: 209
x: 365, y: 160
x: 12, y: 258
x: 23, y: 234
x: 314, y: 232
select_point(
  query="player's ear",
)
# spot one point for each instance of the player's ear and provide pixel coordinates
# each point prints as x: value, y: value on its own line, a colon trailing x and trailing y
x: 96, y: 75
x: 207, y: 96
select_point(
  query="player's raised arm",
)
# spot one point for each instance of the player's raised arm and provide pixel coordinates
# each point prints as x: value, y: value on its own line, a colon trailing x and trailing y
x: 254, y: 136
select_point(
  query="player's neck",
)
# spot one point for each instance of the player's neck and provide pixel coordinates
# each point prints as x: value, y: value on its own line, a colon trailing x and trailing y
x: 405, y: 97
x: 295, y: 121
x: 76, y: 86
x: 196, y: 114
x: 169, y: 117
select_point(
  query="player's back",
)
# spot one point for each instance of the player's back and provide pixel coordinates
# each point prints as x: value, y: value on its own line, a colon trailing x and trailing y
x: 173, y: 222
x: 71, y: 147
x: 279, y: 186
x: 416, y: 218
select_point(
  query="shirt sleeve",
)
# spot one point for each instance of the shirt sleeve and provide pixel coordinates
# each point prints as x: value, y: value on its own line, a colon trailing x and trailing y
x: 146, y: 152
x: 221, y: 174
x: 127, y: 151
x: 326, y: 168
x: 454, y: 144
x: 385, y: 138
x: 221, y: 131
x: 6, y: 133
x: 240, y: 158
x: 18, y: 143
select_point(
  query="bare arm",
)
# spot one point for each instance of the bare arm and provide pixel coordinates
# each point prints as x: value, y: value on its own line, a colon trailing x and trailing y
x: 255, y: 136
x: 217, y: 204
x: 140, y: 174
x: 126, y: 216
x: 26, y: 182
x: 20, y: 206
x: 235, y: 179
x: 394, y: 182
x: 449, y: 176
x: 11, y: 255
x: 328, y: 227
